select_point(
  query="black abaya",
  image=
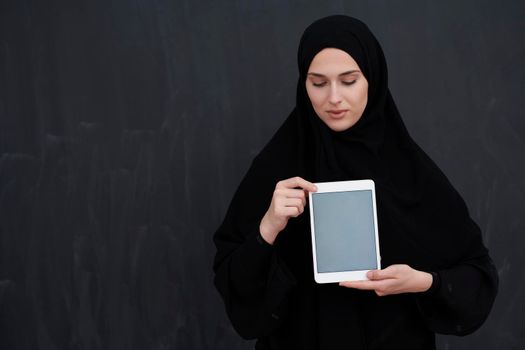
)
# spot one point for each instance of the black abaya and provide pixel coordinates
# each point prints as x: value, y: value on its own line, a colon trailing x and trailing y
x: 269, y: 291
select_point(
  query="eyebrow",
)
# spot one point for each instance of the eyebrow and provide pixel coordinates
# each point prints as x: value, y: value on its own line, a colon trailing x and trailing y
x: 344, y: 73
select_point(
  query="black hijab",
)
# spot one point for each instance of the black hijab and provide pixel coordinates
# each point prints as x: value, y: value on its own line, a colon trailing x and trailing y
x: 423, y: 221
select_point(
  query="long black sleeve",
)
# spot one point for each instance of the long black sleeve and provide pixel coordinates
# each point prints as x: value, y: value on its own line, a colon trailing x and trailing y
x: 252, y: 280
x: 463, y: 297
x: 254, y: 284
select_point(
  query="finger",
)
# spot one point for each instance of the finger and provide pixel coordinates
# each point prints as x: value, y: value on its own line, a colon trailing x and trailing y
x: 290, y: 202
x: 363, y: 285
x: 376, y: 275
x: 292, y: 212
x: 286, y: 193
x: 297, y: 182
x: 294, y: 193
x: 301, y: 196
x: 285, y: 209
x: 389, y: 272
x: 294, y: 202
x: 381, y: 288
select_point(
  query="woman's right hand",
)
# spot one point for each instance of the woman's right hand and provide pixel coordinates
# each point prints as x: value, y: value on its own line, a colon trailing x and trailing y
x: 288, y: 201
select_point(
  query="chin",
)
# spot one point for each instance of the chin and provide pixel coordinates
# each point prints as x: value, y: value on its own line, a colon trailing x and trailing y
x: 339, y: 127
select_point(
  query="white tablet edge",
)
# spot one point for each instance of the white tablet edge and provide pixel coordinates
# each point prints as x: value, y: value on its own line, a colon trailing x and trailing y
x: 343, y: 186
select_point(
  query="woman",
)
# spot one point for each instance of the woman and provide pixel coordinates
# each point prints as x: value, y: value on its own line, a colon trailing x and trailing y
x: 437, y: 276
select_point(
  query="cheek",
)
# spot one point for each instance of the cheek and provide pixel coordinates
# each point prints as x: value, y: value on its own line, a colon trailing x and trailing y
x: 316, y: 97
x: 364, y: 99
x: 361, y: 98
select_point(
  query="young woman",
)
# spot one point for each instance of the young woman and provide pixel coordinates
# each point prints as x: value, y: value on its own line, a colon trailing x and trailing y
x: 437, y: 275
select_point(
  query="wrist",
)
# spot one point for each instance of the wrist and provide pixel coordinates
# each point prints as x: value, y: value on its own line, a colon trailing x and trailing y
x: 436, y: 283
x: 424, y: 281
x: 267, y: 233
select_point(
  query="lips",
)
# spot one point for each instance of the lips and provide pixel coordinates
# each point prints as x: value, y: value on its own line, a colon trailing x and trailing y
x: 337, y: 113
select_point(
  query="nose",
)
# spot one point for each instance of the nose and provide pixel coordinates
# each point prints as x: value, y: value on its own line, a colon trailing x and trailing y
x: 335, y: 97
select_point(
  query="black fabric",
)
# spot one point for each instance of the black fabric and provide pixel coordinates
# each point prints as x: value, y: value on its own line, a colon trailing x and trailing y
x: 269, y: 291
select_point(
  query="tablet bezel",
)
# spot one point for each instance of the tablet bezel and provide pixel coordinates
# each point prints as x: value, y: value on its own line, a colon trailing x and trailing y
x: 343, y: 186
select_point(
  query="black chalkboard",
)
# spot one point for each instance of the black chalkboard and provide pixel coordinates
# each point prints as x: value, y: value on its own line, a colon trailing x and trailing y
x: 126, y: 125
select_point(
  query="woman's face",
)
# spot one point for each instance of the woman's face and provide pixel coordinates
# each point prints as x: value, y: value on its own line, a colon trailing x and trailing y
x: 337, y: 88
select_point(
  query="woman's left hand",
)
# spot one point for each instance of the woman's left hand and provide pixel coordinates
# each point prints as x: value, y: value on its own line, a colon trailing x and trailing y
x: 395, y: 279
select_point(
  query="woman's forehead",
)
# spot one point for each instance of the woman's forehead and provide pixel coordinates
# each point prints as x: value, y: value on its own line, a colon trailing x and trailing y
x: 333, y: 61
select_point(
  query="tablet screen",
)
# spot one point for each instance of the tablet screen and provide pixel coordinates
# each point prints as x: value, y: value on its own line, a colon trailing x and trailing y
x: 344, y: 231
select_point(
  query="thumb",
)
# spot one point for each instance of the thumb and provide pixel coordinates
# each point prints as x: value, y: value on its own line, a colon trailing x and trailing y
x: 375, y: 275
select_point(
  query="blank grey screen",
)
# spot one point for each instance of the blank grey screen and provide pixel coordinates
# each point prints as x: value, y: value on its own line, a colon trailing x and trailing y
x: 344, y: 231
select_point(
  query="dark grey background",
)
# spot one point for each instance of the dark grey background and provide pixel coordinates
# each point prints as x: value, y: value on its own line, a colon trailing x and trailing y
x: 126, y: 125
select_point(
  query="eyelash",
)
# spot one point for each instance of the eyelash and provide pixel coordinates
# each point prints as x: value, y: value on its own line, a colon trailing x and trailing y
x: 347, y: 83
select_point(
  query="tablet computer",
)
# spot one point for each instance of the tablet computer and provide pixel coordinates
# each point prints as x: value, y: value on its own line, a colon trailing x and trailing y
x: 343, y: 221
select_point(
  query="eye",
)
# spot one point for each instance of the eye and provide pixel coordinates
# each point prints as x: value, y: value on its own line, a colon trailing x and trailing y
x: 319, y: 84
x: 349, y: 82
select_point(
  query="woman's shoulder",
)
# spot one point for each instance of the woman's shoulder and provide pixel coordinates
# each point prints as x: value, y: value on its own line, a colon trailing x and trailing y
x: 286, y: 148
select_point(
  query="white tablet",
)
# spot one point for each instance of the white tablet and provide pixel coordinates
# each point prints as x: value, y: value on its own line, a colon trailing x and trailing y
x: 343, y: 220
